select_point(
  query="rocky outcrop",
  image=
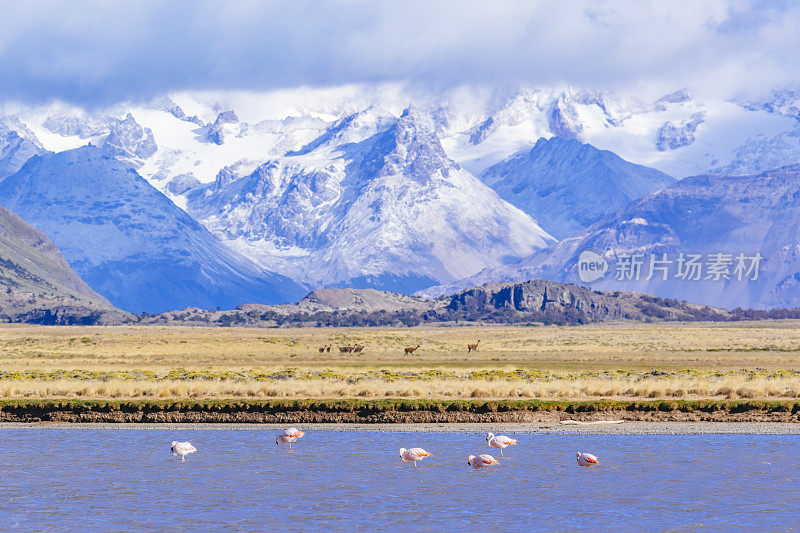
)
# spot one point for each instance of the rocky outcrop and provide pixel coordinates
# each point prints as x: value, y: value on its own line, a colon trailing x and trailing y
x: 565, y: 300
x: 216, y: 133
x: 181, y: 184
x: 673, y: 135
x: 129, y: 140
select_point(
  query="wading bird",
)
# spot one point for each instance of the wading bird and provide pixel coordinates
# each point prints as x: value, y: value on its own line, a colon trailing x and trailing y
x: 288, y: 436
x: 181, y: 449
x: 481, y: 461
x: 586, y: 459
x: 413, y: 455
x: 500, y: 441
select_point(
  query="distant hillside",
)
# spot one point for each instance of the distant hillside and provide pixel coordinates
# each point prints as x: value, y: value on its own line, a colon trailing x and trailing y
x: 535, y: 301
x: 37, y: 285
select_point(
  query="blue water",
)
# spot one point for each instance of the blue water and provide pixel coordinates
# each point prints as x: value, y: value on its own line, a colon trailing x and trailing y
x: 85, y: 479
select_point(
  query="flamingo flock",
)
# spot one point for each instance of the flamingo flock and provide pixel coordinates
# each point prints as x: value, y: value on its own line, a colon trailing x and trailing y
x: 407, y: 455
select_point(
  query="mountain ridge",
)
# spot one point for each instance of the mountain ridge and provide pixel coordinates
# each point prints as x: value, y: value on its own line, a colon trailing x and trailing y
x: 378, y: 207
x: 570, y: 185
x: 127, y: 240
x: 702, y: 215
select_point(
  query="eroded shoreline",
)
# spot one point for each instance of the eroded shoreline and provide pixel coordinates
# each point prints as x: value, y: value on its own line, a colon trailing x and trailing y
x: 627, y: 428
x: 393, y: 411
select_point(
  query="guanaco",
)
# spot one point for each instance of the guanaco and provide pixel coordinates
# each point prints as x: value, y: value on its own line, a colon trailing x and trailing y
x: 357, y: 348
x: 322, y: 349
x: 328, y: 348
x: 410, y: 351
x: 473, y: 347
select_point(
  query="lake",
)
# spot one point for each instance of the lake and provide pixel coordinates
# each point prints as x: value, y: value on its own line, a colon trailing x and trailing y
x: 106, y: 479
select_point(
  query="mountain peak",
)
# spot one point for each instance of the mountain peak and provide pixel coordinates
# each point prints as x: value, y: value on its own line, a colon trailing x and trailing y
x: 570, y: 185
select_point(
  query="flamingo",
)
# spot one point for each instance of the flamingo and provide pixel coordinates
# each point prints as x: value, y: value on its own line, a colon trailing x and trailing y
x: 413, y: 455
x: 182, y: 449
x: 500, y: 441
x: 288, y: 437
x: 586, y: 459
x: 481, y: 461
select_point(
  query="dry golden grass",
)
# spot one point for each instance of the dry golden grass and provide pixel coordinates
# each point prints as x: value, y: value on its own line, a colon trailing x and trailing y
x: 565, y: 388
x: 563, y: 355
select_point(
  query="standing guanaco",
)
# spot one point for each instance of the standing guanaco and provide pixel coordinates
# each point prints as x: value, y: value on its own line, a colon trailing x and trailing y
x: 410, y: 351
x: 473, y: 347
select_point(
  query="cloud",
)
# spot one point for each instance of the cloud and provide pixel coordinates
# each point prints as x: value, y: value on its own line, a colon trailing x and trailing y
x: 100, y: 51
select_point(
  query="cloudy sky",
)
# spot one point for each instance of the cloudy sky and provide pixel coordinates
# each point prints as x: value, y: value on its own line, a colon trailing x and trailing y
x: 100, y: 51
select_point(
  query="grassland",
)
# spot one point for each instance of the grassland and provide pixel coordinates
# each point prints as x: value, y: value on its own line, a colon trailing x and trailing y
x: 619, y: 363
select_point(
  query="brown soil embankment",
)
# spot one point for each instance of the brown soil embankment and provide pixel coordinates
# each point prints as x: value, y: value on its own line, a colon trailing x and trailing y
x: 393, y: 411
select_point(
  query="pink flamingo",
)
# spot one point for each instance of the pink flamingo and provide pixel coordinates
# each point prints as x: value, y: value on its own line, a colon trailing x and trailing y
x: 500, y: 441
x: 481, y: 461
x: 413, y: 455
x: 586, y: 459
x: 288, y: 437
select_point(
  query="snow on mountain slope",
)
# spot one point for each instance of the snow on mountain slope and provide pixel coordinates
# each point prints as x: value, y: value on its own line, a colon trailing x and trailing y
x: 373, y: 202
x: 677, y: 134
x: 703, y: 215
x: 128, y: 241
x: 296, y: 156
x: 569, y: 185
x: 17, y: 145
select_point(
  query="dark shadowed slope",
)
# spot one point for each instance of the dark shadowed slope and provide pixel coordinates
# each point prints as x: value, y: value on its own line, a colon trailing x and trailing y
x: 37, y: 284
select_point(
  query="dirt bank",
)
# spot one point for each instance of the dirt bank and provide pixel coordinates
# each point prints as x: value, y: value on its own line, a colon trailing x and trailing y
x: 392, y: 411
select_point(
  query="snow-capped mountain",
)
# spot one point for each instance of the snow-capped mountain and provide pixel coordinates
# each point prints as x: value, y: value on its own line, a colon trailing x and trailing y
x: 700, y: 217
x: 569, y: 185
x: 199, y: 134
x: 128, y: 241
x: 374, y: 201
x: 285, y: 177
